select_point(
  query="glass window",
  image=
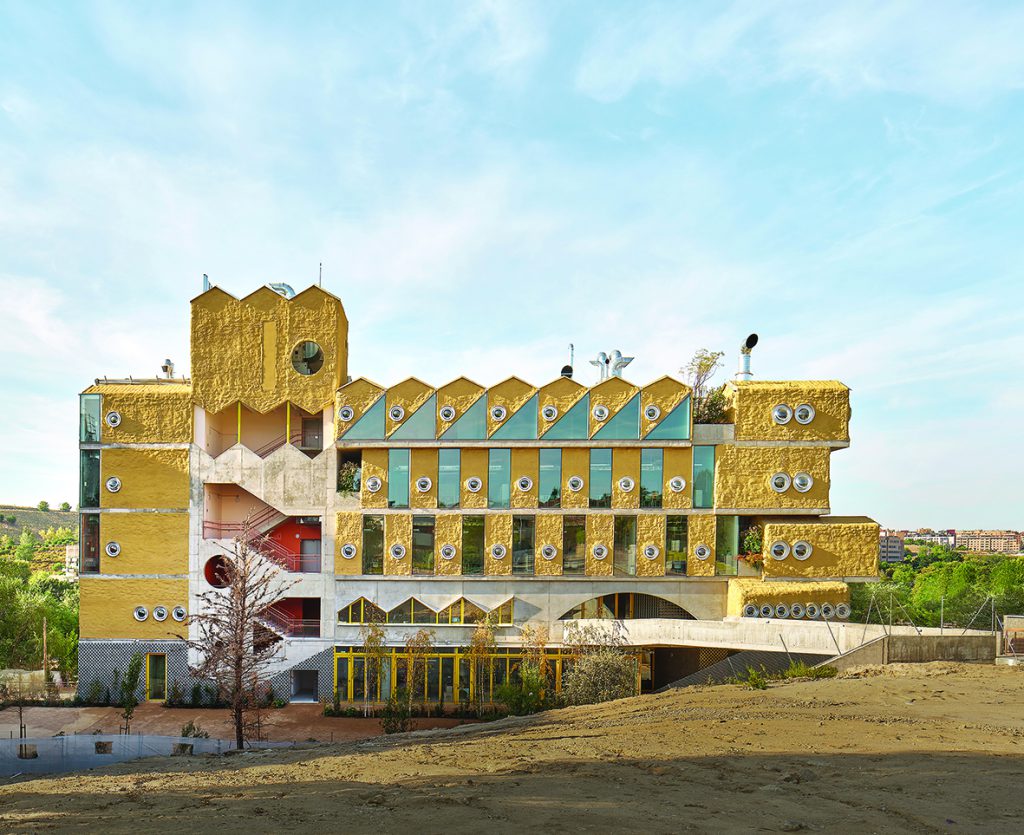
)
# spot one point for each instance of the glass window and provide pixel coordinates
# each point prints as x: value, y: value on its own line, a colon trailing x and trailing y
x: 370, y: 427
x: 574, y: 425
x: 398, y: 478
x: 675, y: 544
x: 675, y: 426
x: 651, y: 477
x: 89, y: 495
x: 727, y: 545
x: 549, y: 484
x: 421, y: 425
x: 307, y: 358
x: 703, y: 476
x: 402, y: 613
x: 472, y: 426
x: 522, y: 425
x: 90, y: 539
x: 472, y: 544
x: 373, y: 545
x: 574, y: 544
x: 422, y: 544
x: 625, y: 545
x: 499, y: 468
x: 449, y: 476
x: 624, y: 424
x: 600, y: 478
x: 89, y: 418
x: 523, y: 539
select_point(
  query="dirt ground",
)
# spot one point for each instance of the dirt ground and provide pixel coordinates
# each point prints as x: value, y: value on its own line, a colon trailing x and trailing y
x: 909, y: 748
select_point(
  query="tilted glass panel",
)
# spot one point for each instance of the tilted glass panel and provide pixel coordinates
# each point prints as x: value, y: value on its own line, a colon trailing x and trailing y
x: 89, y: 494
x: 727, y: 545
x: 624, y: 425
x: 421, y: 425
x: 398, y: 478
x: 651, y: 477
x: 703, y: 476
x: 625, y: 545
x: 549, y: 482
x: 472, y: 544
x: 675, y: 426
x: 472, y: 426
x: 499, y: 469
x: 574, y: 543
x: 89, y: 418
x: 523, y: 544
x: 600, y: 478
x: 373, y: 544
x: 574, y: 425
x: 402, y: 613
x: 520, y: 426
x: 675, y: 544
x: 370, y: 427
x: 449, y: 475
x: 422, y: 544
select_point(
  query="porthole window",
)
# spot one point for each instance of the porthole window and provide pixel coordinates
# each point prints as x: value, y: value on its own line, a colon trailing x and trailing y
x: 804, y: 413
x: 423, y: 484
x: 843, y: 610
x: 498, y: 413
x: 828, y: 611
x: 447, y: 413
x: 652, y: 412
x: 782, y: 414
x: 373, y: 484
x: 782, y: 611
x: 796, y: 610
x: 600, y: 552
x: 767, y: 610
x: 780, y: 482
x: 575, y: 483
x: 677, y: 484
x: 216, y: 572
x: 140, y: 613
x: 396, y: 413
x: 803, y: 482
x: 159, y: 613
x: 179, y: 613
x: 549, y: 412
x: 474, y: 484
x: 750, y: 611
x: 113, y: 484
x: 652, y: 552
x: 626, y: 484
x: 811, y: 610
x: 113, y: 419
x: 113, y: 549
x: 600, y: 412
x: 525, y: 484
x: 348, y: 551
x: 498, y: 551
x: 779, y: 550
x: 307, y: 358
x: 702, y: 552
x: 448, y: 552
x: 549, y: 552
x: 346, y: 413
x: 802, y: 549
x: 398, y: 551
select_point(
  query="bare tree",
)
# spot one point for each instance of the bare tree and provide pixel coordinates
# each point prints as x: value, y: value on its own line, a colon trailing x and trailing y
x: 708, y: 403
x: 375, y: 651
x: 418, y: 647
x: 481, y: 654
x: 234, y: 655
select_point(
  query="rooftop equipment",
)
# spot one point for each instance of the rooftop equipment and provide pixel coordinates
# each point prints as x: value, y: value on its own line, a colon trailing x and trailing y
x: 744, y: 370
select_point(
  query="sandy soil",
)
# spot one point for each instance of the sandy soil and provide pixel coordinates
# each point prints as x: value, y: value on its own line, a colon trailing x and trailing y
x: 917, y: 748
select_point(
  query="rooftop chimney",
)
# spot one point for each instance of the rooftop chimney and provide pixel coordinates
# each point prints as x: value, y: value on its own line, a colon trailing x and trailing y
x: 744, y: 370
x: 168, y: 369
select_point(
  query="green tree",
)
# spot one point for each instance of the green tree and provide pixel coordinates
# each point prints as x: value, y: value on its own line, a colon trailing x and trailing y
x: 44, y: 506
x: 65, y: 506
x: 129, y: 684
x: 28, y: 544
x: 709, y: 404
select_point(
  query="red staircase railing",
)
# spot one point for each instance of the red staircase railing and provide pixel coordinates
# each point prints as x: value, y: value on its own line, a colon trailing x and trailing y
x: 289, y: 626
x: 257, y: 525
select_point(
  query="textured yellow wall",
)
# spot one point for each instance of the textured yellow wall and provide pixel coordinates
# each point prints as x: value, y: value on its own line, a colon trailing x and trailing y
x: 613, y: 393
x: 150, y: 414
x: 666, y: 394
x: 151, y: 543
x: 349, y: 530
x: 753, y: 401
x: 423, y: 462
x: 525, y: 461
x: 513, y: 394
x: 460, y: 394
x: 575, y: 461
x: 410, y: 395
x: 749, y: 590
x: 106, y: 608
x: 448, y: 531
x: 701, y: 531
x: 473, y: 462
x: 563, y: 394
x: 150, y: 478
x: 677, y: 461
x: 229, y: 340
x: 498, y: 528
x: 844, y: 546
x: 398, y: 529
x: 625, y: 462
x: 742, y: 476
x: 600, y: 530
x: 375, y: 463
x: 360, y: 395
x: 549, y: 532
x: 650, y: 530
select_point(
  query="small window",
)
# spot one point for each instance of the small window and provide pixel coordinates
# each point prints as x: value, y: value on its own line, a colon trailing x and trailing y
x: 703, y: 476
x: 472, y: 545
x: 675, y: 544
x: 449, y: 476
x: 574, y: 544
x: 523, y: 544
x: 651, y: 477
x: 89, y: 495
x: 600, y: 478
x: 373, y: 544
x: 90, y: 538
x: 307, y: 358
x: 423, y: 545
x: 550, y: 479
x: 398, y: 478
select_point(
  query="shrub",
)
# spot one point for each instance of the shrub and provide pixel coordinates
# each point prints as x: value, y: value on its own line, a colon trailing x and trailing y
x: 599, y: 675
x: 526, y: 696
x: 197, y: 695
x: 799, y: 669
x: 395, y: 718
x: 756, y: 679
x: 94, y: 695
x: 193, y: 731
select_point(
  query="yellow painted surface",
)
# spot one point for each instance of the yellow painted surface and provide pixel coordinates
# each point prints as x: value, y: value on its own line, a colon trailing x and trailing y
x: 742, y: 476
x: 753, y: 401
x: 228, y: 340
x: 460, y: 394
x: 843, y: 546
x: 751, y: 590
x: 423, y: 462
x: 701, y: 532
x: 150, y: 414
x: 106, y: 607
x: 563, y: 394
x: 410, y: 395
x: 448, y: 531
x: 575, y: 461
x: 549, y: 532
x: 150, y: 478
x: 360, y: 395
x: 473, y: 463
x: 625, y: 463
x: 375, y: 463
x: 600, y: 531
x: 398, y: 530
x: 498, y: 528
x: 677, y: 461
x: 525, y: 461
x: 613, y: 393
x: 349, y: 531
x: 513, y: 394
x: 666, y: 394
x: 270, y: 357
x: 650, y: 530
x: 151, y: 543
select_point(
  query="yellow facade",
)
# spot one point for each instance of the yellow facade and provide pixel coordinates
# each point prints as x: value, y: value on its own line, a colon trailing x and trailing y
x: 702, y: 532
x: 650, y: 530
x: 448, y: 531
x: 498, y: 531
x: 549, y: 532
x: 677, y: 461
x: 666, y: 394
x: 563, y: 394
x: 150, y: 414
x: 359, y: 396
x: 753, y: 402
x: 460, y: 394
x: 743, y: 477
x: 474, y: 465
x: 150, y: 478
x: 398, y: 531
x: 575, y: 462
x: 348, y: 531
x: 151, y: 543
x: 375, y: 465
x: 625, y: 465
x: 613, y: 394
x: 842, y: 546
x: 600, y: 531
x: 752, y: 590
x: 408, y: 396
x: 512, y: 395
x: 525, y: 462
x: 423, y: 464
x: 106, y: 607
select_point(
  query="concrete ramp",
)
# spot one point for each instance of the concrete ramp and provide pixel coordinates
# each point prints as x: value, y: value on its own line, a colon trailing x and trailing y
x: 736, y: 665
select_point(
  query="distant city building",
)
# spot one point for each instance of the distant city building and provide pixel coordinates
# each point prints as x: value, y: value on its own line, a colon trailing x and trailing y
x: 71, y: 561
x: 930, y: 537
x: 1006, y: 542
x: 890, y: 547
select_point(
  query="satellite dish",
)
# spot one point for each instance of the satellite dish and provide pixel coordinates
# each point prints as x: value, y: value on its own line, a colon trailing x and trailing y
x: 751, y: 341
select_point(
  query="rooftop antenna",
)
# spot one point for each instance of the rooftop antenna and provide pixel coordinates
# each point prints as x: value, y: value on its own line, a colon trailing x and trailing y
x: 567, y: 369
x: 744, y: 372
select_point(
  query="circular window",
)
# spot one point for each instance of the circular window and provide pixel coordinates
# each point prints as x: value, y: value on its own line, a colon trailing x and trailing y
x: 474, y: 484
x: 498, y: 551
x: 113, y: 484
x: 307, y: 358
x: 782, y: 611
x: 549, y: 412
x: 113, y: 548
x: 448, y: 552
x: 811, y: 610
x: 767, y: 610
x: 652, y: 412
x: 179, y: 613
x: 828, y: 610
x: 600, y: 412
x: 398, y: 551
x: 677, y: 484
x: 780, y: 482
x: 600, y: 552
x: 216, y: 572
x: 750, y: 611
x: 348, y: 551
x: 842, y: 610
x: 423, y: 484
x: 626, y: 484
x: 525, y: 484
x: 159, y: 613
x: 346, y: 413
x: 549, y: 552
x: 498, y: 413
x: 802, y: 549
x: 140, y: 613
x: 652, y: 552
x: 373, y: 484
x: 782, y: 414
x: 396, y: 413
x: 575, y: 483
x: 803, y: 482
x: 702, y: 552
x: 447, y: 413
x: 779, y: 550
x: 113, y: 419
x: 804, y: 413
x: 796, y: 610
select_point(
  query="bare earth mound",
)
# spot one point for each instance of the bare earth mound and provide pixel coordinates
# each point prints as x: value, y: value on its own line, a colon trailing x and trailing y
x: 917, y: 748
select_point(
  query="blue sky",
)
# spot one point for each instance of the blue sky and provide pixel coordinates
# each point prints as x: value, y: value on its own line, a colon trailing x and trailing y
x: 488, y: 182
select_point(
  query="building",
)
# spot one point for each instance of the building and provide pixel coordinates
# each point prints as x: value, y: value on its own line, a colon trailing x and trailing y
x: 433, y: 506
x: 1003, y: 542
x: 890, y: 547
x: 929, y: 537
